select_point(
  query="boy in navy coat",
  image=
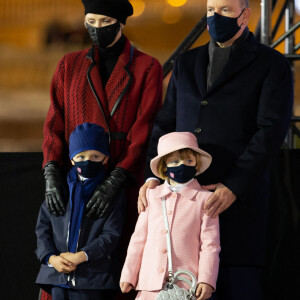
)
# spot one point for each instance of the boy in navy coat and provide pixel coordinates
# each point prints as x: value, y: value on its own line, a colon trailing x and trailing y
x: 78, y: 254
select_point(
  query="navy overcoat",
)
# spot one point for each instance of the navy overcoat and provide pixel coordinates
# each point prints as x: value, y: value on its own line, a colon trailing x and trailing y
x: 241, y: 121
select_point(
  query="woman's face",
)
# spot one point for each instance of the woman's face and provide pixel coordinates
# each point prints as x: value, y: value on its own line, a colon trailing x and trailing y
x: 99, y: 20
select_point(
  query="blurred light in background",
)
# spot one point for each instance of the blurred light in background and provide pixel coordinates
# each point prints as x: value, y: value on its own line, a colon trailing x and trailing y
x: 297, y: 6
x: 176, y: 3
x: 171, y: 15
x: 138, y: 7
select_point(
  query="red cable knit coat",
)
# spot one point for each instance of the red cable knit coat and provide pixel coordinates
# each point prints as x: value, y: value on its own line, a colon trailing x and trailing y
x: 73, y: 102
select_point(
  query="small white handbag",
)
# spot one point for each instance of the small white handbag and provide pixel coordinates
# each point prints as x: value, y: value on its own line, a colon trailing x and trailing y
x: 170, y: 290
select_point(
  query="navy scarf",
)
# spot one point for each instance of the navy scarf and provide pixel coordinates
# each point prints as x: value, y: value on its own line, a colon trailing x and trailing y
x: 80, y: 193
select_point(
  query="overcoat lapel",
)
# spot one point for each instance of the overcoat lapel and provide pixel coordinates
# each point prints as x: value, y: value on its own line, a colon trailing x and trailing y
x: 96, y: 79
x: 119, y: 78
x: 200, y: 69
x: 238, y: 61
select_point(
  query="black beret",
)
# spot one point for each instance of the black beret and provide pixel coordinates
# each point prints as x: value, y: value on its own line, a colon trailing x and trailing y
x: 117, y: 9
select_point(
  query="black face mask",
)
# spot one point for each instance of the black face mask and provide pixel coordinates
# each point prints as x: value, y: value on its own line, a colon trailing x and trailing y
x: 88, y: 168
x: 103, y: 36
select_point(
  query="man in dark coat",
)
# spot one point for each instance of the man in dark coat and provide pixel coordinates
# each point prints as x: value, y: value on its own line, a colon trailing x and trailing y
x: 236, y: 96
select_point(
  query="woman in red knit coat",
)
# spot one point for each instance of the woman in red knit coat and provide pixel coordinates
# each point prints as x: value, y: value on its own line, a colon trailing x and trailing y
x: 113, y: 85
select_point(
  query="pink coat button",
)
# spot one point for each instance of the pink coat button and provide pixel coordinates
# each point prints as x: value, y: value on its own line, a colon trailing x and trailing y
x: 164, y: 251
x: 169, y: 212
x: 161, y: 270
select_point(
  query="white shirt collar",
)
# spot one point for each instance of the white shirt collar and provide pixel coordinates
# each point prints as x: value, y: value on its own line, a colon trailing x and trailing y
x: 177, y: 188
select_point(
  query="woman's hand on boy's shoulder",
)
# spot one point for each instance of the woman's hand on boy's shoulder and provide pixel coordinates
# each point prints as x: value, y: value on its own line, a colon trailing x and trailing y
x: 126, y: 287
x: 142, y: 200
x: 204, y: 291
x: 61, y: 264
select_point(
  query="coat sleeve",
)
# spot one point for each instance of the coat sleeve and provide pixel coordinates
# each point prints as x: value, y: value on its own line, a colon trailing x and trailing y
x: 273, y: 117
x: 209, y: 251
x: 140, y: 130
x: 54, y: 127
x: 165, y: 120
x: 110, y: 236
x: 133, y: 261
x: 44, y: 234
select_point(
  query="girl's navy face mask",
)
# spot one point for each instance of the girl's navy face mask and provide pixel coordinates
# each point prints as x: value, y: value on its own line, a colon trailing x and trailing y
x: 221, y: 28
x: 88, y: 168
x: 181, y: 173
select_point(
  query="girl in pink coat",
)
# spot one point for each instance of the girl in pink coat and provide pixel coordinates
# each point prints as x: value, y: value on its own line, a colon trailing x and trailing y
x: 194, y: 235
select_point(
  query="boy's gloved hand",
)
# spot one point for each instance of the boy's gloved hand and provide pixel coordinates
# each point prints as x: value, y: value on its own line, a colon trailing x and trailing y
x: 55, y: 193
x: 106, y: 192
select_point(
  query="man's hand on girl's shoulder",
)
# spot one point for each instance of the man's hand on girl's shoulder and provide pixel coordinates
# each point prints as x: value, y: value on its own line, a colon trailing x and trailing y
x: 220, y: 200
x: 142, y: 200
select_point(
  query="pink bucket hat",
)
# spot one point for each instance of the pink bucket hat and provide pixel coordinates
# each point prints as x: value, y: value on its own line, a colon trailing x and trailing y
x: 175, y: 141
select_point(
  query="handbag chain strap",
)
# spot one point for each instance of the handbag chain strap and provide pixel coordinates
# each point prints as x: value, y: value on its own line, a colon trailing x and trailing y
x: 170, y: 266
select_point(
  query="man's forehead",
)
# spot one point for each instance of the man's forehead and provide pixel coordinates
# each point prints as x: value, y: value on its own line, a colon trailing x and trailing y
x: 222, y: 3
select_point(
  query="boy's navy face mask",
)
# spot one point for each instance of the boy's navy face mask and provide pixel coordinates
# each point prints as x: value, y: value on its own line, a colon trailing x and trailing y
x: 221, y: 28
x: 88, y: 168
x: 182, y: 173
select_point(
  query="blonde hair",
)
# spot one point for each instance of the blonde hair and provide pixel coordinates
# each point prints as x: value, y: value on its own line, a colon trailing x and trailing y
x: 183, y: 154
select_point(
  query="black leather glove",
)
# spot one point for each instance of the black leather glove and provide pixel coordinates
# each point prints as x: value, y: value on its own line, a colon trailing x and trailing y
x: 106, y: 192
x: 55, y: 192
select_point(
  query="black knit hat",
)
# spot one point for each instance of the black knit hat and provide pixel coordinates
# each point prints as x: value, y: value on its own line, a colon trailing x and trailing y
x: 117, y: 9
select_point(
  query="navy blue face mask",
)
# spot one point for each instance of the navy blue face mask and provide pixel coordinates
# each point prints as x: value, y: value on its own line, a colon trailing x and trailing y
x: 182, y: 173
x: 221, y: 28
x: 88, y: 168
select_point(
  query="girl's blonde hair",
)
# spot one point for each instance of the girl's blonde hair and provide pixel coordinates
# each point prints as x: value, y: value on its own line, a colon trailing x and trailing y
x: 183, y: 154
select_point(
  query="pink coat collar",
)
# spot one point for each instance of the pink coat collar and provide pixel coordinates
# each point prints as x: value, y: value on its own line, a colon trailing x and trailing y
x: 189, y: 192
